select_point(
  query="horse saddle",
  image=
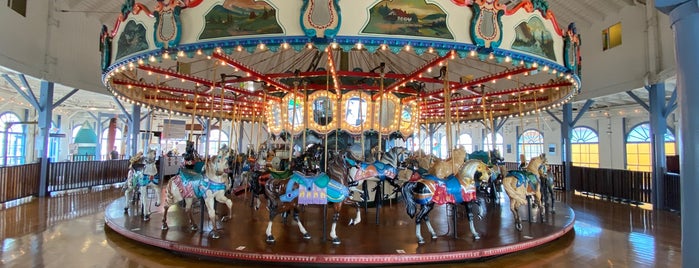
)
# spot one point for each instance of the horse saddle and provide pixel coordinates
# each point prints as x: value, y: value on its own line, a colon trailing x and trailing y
x: 145, y: 179
x: 321, y: 179
x: 525, y: 177
x: 190, y: 175
x: 449, y: 190
x: 306, y: 184
x: 280, y: 174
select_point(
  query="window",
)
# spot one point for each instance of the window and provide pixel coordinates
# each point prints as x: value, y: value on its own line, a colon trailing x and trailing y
x: 19, y: 6
x: 611, y: 37
x: 356, y: 111
x: 117, y: 141
x: 466, y: 141
x: 638, y: 147
x: 54, y: 143
x: 585, y: 143
x: 531, y: 143
x: 15, y: 139
x: 487, y: 143
x: 217, y: 138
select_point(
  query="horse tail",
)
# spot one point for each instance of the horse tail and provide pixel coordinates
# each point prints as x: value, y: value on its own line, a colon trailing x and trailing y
x: 407, y: 191
x: 508, y: 182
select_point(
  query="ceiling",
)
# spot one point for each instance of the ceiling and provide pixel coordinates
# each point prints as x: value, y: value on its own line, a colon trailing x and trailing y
x: 582, y: 12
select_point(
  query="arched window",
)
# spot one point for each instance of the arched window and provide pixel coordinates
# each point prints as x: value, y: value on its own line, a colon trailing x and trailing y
x: 54, y: 143
x: 117, y: 141
x: 585, y: 143
x: 531, y: 143
x: 466, y: 141
x: 638, y: 147
x: 487, y: 143
x: 214, y: 137
x: 15, y: 139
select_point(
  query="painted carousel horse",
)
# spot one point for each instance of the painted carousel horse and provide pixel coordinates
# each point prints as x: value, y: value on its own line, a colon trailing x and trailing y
x: 385, y: 169
x: 547, y: 190
x: 520, y: 186
x: 131, y: 193
x: 285, y: 195
x: 189, y: 184
x: 493, y: 189
x: 146, y: 178
x: 459, y: 188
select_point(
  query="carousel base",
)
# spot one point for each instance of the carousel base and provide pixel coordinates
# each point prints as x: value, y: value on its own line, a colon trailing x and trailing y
x: 390, y: 242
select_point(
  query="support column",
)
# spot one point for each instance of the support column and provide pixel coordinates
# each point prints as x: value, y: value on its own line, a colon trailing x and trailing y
x: 207, y: 134
x: 658, y: 127
x: 135, y: 128
x: 684, y: 20
x: 44, y: 124
x: 567, y: 146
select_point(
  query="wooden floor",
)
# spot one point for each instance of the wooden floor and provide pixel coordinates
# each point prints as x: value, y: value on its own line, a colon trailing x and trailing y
x: 69, y: 231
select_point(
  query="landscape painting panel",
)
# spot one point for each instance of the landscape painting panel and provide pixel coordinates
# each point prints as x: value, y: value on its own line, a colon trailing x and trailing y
x: 240, y: 17
x: 408, y: 17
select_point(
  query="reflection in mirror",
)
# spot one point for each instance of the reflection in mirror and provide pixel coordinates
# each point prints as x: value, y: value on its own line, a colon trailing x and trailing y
x: 295, y: 112
x: 405, y: 116
x: 387, y: 113
x: 355, y: 111
x: 322, y: 111
x: 276, y: 116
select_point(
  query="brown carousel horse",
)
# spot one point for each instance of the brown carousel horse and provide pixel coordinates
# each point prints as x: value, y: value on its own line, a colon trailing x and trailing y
x: 520, y: 186
x: 459, y: 188
x: 284, y: 195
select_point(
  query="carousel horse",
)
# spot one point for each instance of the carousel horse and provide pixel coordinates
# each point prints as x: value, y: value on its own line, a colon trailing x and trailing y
x: 284, y: 195
x: 443, y: 168
x: 131, y: 194
x: 385, y: 169
x: 520, y: 186
x: 493, y: 189
x: 144, y: 177
x: 210, y: 186
x: 459, y: 188
x: 547, y: 190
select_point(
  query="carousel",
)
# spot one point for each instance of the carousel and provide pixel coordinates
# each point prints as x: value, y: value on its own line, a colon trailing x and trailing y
x: 339, y: 82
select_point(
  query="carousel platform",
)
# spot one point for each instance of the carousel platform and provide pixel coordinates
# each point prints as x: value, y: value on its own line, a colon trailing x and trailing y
x: 390, y: 242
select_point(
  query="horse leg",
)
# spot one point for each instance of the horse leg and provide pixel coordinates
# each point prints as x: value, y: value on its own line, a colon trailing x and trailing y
x: 471, y: 224
x: 145, y: 206
x: 272, y: 208
x: 127, y: 200
x: 396, y: 188
x: 302, y: 229
x: 157, y: 190
x: 188, y: 209
x: 424, y: 210
x: 515, y: 214
x: 426, y: 218
x: 358, y: 218
x: 336, y: 216
x: 209, y: 202
x: 223, y: 199
x: 164, y: 225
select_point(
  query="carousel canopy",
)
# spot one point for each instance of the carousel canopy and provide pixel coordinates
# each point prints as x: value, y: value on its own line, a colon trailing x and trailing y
x: 352, y: 65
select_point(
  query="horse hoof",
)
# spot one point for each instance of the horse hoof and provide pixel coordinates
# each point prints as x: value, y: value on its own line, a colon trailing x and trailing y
x: 306, y: 236
x: 270, y: 239
x: 146, y: 218
x: 434, y: 236
x: 194, y: 227
x: 164, y: 227
x: 421, y: 241
x: 157, y: 204
x: 336, y: 241
x: 476, y: 237
x: 215, y: 235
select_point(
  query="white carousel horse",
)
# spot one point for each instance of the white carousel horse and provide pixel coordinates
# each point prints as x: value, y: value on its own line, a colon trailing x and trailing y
x: 144, y: 178
x: 520, y: 186
x: 210, y: 187
x: 459, y: 188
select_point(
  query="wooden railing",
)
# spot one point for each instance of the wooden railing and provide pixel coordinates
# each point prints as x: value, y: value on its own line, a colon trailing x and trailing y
x: 74, y: 175
x: 19, y: 181
x: 672, y: 191
x: 625, y: 185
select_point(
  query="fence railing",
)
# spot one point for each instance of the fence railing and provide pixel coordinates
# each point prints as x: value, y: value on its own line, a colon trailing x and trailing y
x: 74, y: 175
x: 19, y: 181
x: 672, y: 191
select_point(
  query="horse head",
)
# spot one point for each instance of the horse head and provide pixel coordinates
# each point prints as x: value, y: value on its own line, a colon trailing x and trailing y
x: 474, y: 172
x: 215, y: 167
x: 396, y: 157
x: 538, y: 165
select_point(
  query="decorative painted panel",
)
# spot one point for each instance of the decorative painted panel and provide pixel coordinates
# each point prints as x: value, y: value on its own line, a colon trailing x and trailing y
x: 408, y: 17
x: 533, y: 37
x: 240, y: 17
x: 132, y: 39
